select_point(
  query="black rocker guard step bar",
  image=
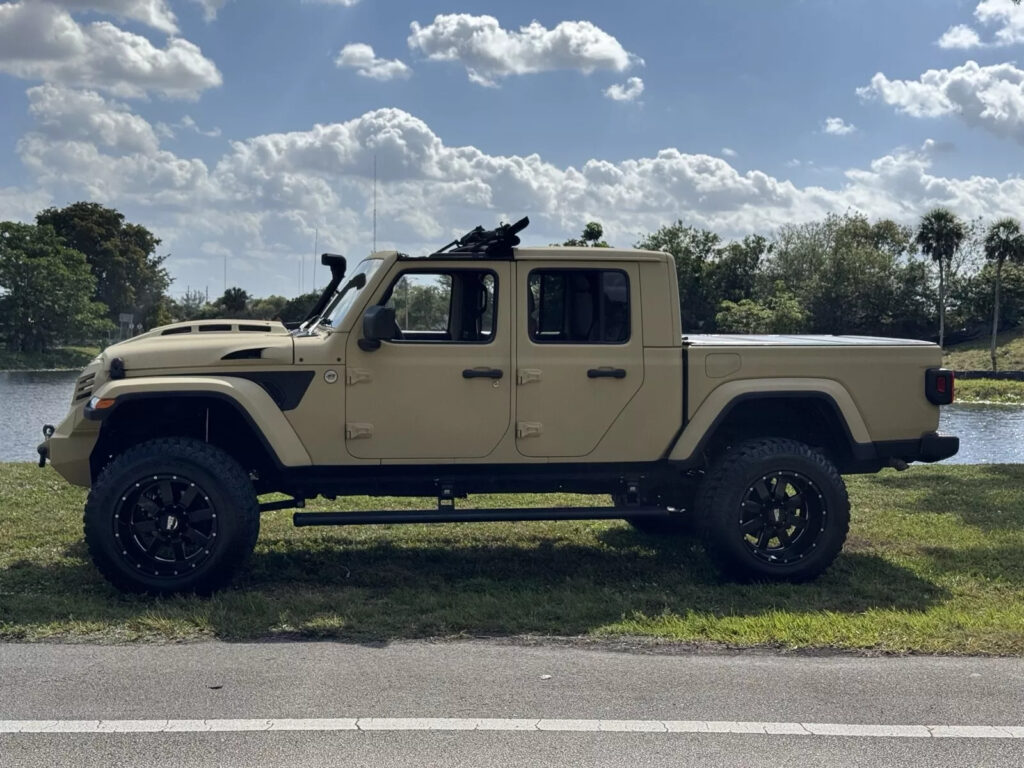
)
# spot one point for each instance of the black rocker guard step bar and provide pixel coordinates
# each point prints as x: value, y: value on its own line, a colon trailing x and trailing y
x: 406, y: 516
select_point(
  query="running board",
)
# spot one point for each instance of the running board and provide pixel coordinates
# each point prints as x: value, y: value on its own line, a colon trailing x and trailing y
x: 407, y: 516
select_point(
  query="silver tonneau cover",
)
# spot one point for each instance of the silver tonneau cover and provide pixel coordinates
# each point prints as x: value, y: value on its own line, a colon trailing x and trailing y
x: 744, y: 340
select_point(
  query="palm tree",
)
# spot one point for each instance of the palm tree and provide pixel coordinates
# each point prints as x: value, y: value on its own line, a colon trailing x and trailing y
x: 940, y: 235
x: 1002, y: 241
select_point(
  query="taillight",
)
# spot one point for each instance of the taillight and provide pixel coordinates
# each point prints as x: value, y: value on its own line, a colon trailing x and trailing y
x: 939, y: 384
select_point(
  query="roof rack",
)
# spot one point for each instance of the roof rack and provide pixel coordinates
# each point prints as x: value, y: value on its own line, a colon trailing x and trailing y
x: 483, y: 243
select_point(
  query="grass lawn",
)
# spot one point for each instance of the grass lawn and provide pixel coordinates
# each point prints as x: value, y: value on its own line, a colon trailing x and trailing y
x: 974, y: 355
x: 933, y: 564
x: 74, y: 358
x: 989, y: 391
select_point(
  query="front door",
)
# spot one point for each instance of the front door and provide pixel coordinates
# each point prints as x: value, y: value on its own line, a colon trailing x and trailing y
x: 442, y: 388
x: 579, y: 354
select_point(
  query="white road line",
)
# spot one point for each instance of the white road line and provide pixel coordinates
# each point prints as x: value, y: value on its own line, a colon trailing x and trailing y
x: 514, y: 724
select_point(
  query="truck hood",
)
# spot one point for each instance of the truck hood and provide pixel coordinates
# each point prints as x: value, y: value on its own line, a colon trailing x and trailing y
x: 749, y: 340
x: 218, y: 344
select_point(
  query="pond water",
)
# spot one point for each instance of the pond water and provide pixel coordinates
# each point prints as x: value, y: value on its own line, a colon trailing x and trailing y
x: 989, y: 434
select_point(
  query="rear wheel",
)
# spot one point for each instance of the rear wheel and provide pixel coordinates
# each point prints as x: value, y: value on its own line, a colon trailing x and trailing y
x: 171, y: 515
x: 773, y: 510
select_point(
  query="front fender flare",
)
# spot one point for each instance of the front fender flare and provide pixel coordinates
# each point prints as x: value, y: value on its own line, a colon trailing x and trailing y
x: 251, y: 400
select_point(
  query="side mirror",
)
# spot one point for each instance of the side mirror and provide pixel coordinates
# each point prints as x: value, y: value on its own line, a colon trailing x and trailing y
x: 378, y: 326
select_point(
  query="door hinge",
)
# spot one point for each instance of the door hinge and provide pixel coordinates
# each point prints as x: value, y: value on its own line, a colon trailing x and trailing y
x: 528, y: 375
x: 358, y: 431
x: 529, y: 429
x: 357, y: 375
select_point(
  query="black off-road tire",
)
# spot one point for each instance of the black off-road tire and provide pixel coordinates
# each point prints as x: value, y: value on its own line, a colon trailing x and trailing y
x: 679, y: 524
x: 194, y: 541
x: 773, y: 490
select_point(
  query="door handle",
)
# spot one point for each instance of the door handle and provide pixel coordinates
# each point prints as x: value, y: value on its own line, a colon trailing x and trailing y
x: 606, y: 373
x: 482, y: 373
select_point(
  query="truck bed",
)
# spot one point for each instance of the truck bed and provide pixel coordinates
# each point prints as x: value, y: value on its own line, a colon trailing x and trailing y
x: 753, y: 340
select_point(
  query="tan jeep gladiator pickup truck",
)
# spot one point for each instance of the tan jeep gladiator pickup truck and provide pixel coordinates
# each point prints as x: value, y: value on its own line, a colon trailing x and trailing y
x: 485, y: 367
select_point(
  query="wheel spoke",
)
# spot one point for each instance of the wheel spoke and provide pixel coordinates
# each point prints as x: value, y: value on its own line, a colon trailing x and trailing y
x: 154, y: 546
x: 799, y: 523
x: 179, y: 551
x: 751, y: 506
x: 764, y: 537
x: 148, y: 506
x: 751, y: 527
x: 784, y: 537
x: 144, y: 527
x: 780, y: 489
x: 166, y: 493
x: 188, y: 496
x: 195, y: 537
x: 794, y: 502
x: 200, y: 515
x: 761, y: 489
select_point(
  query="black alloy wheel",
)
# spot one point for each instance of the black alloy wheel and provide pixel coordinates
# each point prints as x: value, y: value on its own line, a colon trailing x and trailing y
x: 781, y: 517
x: 165, y: 524
x: 171, y: 515
x: 773, y: 509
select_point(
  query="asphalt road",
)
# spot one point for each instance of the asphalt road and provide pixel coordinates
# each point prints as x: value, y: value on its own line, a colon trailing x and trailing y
x: 244, y: 685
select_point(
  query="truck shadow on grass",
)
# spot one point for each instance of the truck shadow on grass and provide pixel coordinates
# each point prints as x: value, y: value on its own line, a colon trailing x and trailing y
x: 365, y: 587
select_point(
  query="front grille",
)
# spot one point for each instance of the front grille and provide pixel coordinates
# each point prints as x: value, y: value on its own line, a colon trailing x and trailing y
x: 83, y: 387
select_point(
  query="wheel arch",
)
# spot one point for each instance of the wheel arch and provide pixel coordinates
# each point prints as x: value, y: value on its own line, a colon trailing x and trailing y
x: 820, y: 413
x: 235, y: 415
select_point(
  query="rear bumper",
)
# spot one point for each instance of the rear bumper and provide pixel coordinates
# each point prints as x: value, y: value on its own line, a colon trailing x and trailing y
x: 929, y: 448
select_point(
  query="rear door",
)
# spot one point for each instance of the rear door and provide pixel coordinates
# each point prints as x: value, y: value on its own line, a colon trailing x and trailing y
x: 442, y: 389
x: 580, y: 356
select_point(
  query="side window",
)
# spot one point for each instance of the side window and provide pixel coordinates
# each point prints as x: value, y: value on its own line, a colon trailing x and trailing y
x: 446, y: 306
x: 578, y: 306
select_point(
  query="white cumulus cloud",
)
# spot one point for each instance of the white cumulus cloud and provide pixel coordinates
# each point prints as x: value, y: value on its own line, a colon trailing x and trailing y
x: 959, y: 36
x: 39, y: 41
x: 991, y: 97
x: 361, y: 58
x: 627, y: 91
x: 262, y: 198
x: 155, y: 13
x: 66, y: 114
x: 836, y: 126
x: 490, y: 52
x: 1006, y: 16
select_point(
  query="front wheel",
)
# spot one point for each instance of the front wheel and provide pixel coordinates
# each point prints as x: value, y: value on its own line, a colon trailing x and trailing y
x: 773, y: 510
x: 171, y: 515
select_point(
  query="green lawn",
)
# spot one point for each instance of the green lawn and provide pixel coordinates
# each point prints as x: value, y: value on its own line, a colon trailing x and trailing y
x: 974, y: 355
x: 989, y: 391
x: 933, y: 564
x: 74, y: 358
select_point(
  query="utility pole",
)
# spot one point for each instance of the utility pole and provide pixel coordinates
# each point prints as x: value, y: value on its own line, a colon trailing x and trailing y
x: 225, y: 272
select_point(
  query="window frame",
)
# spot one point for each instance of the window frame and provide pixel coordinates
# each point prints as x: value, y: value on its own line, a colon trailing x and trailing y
x: 601, y: 270
x: 386, y: 297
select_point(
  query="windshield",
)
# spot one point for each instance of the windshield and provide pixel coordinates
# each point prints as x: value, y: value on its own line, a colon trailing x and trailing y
x: 337, y: 309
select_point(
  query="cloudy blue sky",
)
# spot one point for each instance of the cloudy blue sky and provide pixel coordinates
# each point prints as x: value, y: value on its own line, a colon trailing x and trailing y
x: 239, y: 128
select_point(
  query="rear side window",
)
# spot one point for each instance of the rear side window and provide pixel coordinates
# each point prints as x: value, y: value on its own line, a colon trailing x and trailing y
x: 578, y: 306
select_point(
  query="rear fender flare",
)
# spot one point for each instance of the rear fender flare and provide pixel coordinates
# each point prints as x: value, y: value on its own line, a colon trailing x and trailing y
x: 724, y: 398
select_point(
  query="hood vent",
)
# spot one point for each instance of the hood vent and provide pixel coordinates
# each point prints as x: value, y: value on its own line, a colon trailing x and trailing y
x: 245, y: 354
x: 217, y: 328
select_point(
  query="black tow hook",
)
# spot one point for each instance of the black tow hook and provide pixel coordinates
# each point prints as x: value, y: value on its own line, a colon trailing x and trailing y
x: 43, y: 449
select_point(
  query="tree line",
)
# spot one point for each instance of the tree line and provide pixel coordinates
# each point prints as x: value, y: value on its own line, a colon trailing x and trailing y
x: 73, y: 274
